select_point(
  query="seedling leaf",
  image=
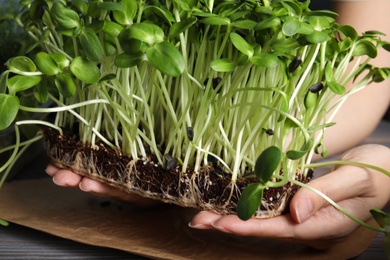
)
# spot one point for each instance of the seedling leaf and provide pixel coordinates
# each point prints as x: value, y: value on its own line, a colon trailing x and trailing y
x: 127, y: 14
x: 146, y: 32
x: 85, y: 70
x: 181, y: 26
x: 365, y: 47
x: 241, y: 44
x: 267, y: 163
x: 125, y: 60
x: 265, y: 60
x: 19, y: 83
x: 291, y: 26
x: 382, y: 218
x: 295, y: 155
x: 166, y: 58
x: 22, y: 64
x: 92, y: 47
x: 65, y: 84
x: 9, y: 107
x: 250, y: 201
x: 222, y: 65
x: 46, y: 64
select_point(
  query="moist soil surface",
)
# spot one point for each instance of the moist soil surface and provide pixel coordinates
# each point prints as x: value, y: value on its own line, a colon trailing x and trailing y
x: 207, y: 189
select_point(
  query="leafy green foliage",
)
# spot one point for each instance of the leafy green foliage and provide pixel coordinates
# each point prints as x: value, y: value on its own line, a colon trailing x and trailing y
x: 267, y: 163
x: 85, y: 70
x: 166, y: 58
x: 9, y: 106
x: 250, y: 201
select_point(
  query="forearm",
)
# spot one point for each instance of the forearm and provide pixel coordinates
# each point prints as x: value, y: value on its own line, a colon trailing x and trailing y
x: 362, y: 112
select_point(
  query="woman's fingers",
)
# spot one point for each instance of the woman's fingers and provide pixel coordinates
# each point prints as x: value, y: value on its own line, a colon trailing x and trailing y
x: 343, y: 183
x: 67, y: 178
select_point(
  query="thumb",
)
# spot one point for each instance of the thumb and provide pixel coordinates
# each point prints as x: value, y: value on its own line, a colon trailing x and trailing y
x: 336, y: 185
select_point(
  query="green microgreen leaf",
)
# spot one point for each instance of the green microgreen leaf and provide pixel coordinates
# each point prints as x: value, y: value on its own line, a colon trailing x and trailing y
x: 331, y: 81
x: 161, y: 12
x: 365, y: 47
x: 285, y: 45
x: 216, y: 20
x: 3, y: 81
x: 91, y: 45
x: 241, y: 44
x: 297, y: 154
x: 60, y: 59
x: 317, y: 37
x: 128, y: 44
x: 348, y: 32
x: 108, y: 77
x: 85, y: 70
x: 311, y: 99
x: 21, y: 64
x: 125, y: 60
x: 316, y: 128
x: 250, y: 200
x: 272, y: 22
x: 41, y: 93
x: 110, y: 6
x: 244, y: 24
x: 291, y: 26
x: 267, y: 163
x: 146, y: 32
x: 265, y: 60
x: 81, y: 6
x: 166, y: 58
x: 65, y: 17
x: 380, y: 74
x: 46, y: 64
x: 20, y: 83
x: 319, y: 23
x: 381, y: 217
x: 9, y: 107
x: 4, y: 223
x: 65, y: 84
x: 223, y: 65
x: 126, y: 15
x: 178, y: 28
x: 112, y: 28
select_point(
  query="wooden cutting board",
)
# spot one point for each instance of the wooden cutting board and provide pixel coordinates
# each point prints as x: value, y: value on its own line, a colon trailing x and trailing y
x: 160, y: 232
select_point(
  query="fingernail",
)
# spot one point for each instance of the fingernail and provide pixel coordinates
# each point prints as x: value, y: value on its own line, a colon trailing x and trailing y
x: 55, y: 181
x: 82, y: 188
x: 304, y: 210
x: 198, y: 226
x: 220, y: 228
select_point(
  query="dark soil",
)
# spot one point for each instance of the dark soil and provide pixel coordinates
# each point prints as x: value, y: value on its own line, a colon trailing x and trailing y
x: 204, y: 190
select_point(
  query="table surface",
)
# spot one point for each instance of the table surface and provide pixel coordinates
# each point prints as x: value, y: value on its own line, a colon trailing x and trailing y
x: 19, y: 242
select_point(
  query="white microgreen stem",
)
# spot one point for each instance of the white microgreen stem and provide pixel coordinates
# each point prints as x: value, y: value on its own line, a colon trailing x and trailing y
x: 10, y: 161
x: 351, y: 163
x: 39, y: 122
x: 308, y: 64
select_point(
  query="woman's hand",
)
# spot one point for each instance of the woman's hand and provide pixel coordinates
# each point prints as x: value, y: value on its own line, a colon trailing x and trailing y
x: 312, y: 220
x: 67, y: 178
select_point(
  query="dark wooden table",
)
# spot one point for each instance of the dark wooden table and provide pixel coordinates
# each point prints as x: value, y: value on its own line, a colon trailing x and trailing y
x: 19, y: 242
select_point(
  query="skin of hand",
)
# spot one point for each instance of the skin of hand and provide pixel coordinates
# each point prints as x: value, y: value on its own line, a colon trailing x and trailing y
x: 67, y: 178
x: 312, y: 220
